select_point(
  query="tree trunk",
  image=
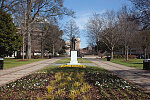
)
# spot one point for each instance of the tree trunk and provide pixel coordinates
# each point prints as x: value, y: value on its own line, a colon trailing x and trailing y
x: 28, y: 45
x: 130, y: 52
x: 97, y: 49
x: 23, y: 49
x: 29, y: 3
x: 145, y: 52
x: 24, y: 30
x: 70, y: 47
x: 42, y: 52
x: 112, y: 52
x: 122, y: 51
x: 14, y: 54
x: 127, y: 53
x: 53, y: 50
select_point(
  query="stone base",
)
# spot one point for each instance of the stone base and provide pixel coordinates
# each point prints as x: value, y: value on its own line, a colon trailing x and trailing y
x: 74, y: 60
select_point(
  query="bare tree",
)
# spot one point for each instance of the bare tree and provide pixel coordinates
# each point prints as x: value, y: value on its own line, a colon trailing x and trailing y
x: 35, y: 8
x: 110, y: 35
x: 94, y: 28
x: 142, y: 43
x: 71, y: 30
x: 143, y: 12
x: 9, y: 5
x: 53, y: 38
x: 143, y: 16
x: 127, y: 28
x: 32, y: 9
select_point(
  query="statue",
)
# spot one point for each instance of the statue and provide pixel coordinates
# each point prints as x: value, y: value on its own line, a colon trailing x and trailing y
x: 73, y: 41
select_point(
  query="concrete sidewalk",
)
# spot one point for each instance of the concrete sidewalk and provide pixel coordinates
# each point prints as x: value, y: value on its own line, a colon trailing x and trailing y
x: 136, y: 76
x: 12, y: 74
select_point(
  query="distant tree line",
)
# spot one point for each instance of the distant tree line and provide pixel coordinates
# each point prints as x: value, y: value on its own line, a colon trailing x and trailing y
x: 122, y: 30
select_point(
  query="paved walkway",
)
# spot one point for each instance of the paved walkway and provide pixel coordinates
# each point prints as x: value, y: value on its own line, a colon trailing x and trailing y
x: 137, y: 76
x: 12, y: 74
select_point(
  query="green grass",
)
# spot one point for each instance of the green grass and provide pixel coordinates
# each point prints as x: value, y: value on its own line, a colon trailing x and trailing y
x: 136, y: 63
x: 9, y: 63
x: 55, y: 69
x: 67, y: 60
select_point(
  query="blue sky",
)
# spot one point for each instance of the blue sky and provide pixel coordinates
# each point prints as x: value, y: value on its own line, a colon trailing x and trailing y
x: 85, y: 9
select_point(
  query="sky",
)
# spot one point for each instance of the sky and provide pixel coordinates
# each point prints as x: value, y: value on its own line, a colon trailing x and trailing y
x: 84, y: 9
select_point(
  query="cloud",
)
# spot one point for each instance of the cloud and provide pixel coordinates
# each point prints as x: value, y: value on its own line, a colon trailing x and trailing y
x: 82, y: 18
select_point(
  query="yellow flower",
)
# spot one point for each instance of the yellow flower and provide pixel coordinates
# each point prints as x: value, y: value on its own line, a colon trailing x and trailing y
x: 49, y: 89
x: 69, y: 78
x: 62, y: 66
x: 81, y: 66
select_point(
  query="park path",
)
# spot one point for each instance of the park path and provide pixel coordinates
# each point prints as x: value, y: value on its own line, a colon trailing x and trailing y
x: 12, y: 74
x: 139, y: 77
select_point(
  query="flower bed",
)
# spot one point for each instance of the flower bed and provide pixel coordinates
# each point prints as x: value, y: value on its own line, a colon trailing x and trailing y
x: 55, y: 83
x: 79, y: 66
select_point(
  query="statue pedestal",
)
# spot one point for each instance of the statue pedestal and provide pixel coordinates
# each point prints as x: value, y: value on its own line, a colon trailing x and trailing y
x: 74, y: 60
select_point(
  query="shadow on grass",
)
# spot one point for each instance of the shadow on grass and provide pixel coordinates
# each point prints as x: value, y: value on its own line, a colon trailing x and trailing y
x: 135, y: 73
x: 137, y: 63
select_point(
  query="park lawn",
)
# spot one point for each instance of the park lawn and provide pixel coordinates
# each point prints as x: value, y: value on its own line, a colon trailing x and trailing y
x: 9, y: 62
x: 56, y: 83
x: 136, y: 63
x: 67, y: 60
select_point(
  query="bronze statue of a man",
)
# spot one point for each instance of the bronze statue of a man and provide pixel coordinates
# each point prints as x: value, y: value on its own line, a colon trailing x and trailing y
x: 73, y: 41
